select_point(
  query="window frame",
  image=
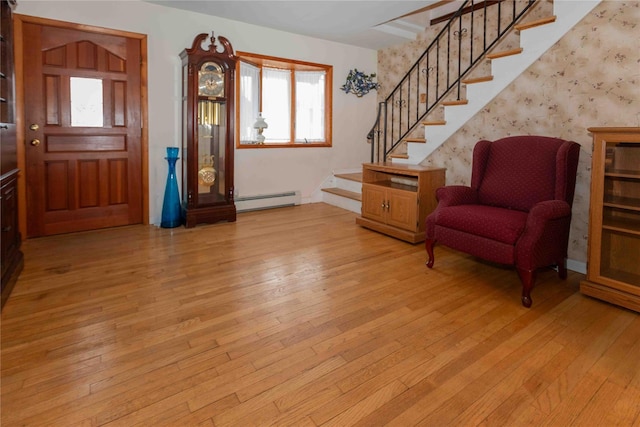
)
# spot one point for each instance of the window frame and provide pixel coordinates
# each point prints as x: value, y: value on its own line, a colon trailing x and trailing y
x: 292, y: 65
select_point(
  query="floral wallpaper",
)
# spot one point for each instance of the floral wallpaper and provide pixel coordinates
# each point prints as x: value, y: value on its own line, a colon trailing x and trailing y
x: 589, y: 78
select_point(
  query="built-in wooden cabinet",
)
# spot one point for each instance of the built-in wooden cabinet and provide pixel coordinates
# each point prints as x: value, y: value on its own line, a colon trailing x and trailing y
x: 613, y: 270
x: 10, y: 254
x: 396, y: 199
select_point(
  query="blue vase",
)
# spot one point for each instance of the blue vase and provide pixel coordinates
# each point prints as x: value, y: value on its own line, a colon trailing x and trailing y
x: 171, y: 209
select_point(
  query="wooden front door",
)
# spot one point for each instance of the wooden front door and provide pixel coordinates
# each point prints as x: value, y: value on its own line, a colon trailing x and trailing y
x: 83, y: 129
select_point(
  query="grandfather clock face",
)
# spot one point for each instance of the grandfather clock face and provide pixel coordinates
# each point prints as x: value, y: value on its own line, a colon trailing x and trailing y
x: 211, y: 80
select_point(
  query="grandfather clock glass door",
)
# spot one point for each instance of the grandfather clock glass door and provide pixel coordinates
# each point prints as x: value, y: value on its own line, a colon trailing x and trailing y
x: 211, y: 148
x: 207, y: 146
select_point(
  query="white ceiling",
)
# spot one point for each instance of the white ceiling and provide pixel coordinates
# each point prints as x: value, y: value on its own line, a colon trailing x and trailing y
x: 359, y: 23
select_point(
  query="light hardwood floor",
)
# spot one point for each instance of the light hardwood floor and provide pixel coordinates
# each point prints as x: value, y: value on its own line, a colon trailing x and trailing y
x: 297, y: 316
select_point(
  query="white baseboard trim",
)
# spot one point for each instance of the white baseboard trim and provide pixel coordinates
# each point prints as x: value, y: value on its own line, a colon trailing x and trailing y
x: 577, y: 266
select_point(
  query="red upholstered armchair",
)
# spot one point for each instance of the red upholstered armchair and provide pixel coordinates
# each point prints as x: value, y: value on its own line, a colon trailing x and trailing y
x: 517, y: 210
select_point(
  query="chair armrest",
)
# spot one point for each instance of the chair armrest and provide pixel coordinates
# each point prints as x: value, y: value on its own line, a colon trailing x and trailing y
x: 545, y: 237
x: 453, y: 195
x: 548, y: 210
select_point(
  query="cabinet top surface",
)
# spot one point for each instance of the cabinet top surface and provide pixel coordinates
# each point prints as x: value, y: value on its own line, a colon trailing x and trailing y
x: 614, y: 129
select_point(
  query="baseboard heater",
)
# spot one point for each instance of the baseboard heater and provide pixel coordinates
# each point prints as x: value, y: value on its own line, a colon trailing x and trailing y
x: 268, y: 201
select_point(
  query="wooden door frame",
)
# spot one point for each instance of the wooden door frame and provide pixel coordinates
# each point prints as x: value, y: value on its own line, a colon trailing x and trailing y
x: 19, y: 100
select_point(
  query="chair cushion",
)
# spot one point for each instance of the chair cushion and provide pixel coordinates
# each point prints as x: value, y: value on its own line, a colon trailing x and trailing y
x: 481, y: 247
x: 519, y: 172
x: 503, y: 225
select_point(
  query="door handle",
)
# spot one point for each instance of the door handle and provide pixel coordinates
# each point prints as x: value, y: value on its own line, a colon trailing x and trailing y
x: 34, y: 126
x: 35, y: 142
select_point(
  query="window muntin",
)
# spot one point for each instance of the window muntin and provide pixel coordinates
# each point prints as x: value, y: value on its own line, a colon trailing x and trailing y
x: 294, y: 98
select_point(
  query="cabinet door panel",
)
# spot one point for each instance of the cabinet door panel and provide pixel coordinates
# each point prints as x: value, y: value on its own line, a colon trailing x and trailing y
x: 402, y: 210
x: 373, y: 199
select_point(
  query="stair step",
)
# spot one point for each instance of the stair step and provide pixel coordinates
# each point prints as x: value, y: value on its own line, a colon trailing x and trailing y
x: 536, y: 23
x: 456, y: 102
x: 398, y: 156
x: 477, y: 80
x: 435, y: 123
x: 344, y: 193
x: 357, y: 176
x: 504, y: 53
x: 420, y: 140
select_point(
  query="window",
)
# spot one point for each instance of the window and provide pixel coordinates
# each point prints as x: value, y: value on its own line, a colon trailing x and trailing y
x: 293, y: 97
x: 86, y: 102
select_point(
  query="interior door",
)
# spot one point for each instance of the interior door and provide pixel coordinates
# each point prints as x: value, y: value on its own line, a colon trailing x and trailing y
x: 83, y: 130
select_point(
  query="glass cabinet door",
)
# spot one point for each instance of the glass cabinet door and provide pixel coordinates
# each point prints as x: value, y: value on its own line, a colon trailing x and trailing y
x: 620, y: 241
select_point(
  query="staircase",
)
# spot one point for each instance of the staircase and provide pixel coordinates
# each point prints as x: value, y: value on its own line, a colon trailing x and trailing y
x: 475, y: 89
x: 536, y: 37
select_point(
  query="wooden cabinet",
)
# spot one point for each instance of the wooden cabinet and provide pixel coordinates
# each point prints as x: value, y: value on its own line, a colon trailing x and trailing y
x: 613, y: 269
x: 11, y: 256
x: 208, y: 76
x: 396, y: 199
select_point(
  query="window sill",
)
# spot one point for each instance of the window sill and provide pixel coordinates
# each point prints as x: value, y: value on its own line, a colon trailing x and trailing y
x: 261, y: 146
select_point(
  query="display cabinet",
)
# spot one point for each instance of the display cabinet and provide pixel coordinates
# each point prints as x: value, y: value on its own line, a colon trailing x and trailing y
x: 396, y: 199
x: 208, y: 82
x: 11, y: 256
x: 613, y: 269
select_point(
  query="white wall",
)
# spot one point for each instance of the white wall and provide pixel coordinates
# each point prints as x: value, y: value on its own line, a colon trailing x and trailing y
x: 260, y: 171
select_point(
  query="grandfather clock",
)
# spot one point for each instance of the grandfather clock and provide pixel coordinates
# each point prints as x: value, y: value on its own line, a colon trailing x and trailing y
x: 208, y: 82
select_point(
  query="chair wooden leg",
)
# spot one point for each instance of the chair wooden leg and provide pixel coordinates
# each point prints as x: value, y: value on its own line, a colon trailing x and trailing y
x: 428, y: 244
x: 527, y: 278
x: 562, y: 269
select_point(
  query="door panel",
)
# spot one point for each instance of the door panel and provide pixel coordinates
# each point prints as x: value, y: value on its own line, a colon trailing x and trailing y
x: 373, y: 200
x: 402, y: 209
x: 83, y: 130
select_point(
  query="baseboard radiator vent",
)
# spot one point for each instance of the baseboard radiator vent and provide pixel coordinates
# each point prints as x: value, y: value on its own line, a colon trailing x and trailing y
x: 268, y: 201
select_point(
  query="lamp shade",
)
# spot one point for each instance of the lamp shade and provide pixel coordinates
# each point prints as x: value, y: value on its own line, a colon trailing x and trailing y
x: 260, y: 123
